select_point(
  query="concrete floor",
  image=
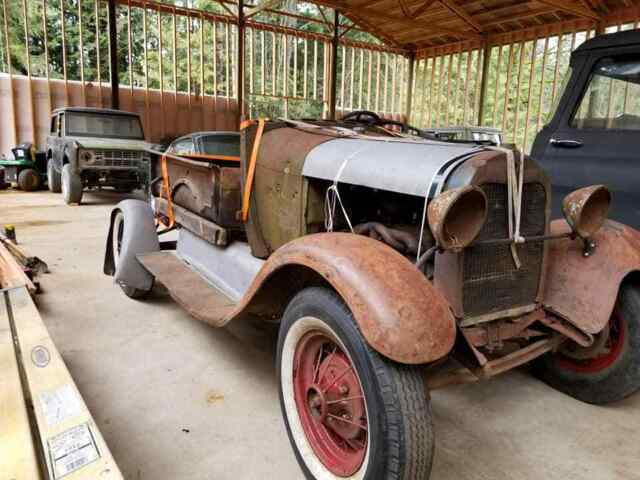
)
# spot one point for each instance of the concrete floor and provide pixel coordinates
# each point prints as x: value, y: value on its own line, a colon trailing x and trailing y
x: 176, y: 399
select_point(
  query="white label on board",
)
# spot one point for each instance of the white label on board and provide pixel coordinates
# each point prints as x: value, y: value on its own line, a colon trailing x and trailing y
x: 71, y: 450
x: 61, y: 404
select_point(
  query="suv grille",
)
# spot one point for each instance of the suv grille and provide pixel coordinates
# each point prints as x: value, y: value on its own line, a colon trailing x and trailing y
x: 491, y: 282
x: 118, y: 158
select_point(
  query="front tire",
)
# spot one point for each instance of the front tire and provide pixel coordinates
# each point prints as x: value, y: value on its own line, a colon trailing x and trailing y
x: 54, y: 180
x: 28, y: 180
x: 612, y: 371
x: 348, y: 411
x: 71, y: 185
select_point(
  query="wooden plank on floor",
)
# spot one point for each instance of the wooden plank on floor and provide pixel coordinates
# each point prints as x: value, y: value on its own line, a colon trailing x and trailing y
x: 18, y: 458
x: 71, y: 441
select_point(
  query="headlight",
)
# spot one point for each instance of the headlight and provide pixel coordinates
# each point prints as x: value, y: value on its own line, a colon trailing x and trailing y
x: 87, y: 156
x: 457, y: 216
x: 586, y: 209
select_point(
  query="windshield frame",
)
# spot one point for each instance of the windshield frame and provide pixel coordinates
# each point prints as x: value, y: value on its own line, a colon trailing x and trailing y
x: 70, y: 133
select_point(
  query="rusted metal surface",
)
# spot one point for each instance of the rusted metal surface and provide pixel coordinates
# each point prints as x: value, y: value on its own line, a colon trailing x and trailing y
x: 487, y: 170
x: 207, y: 188
x: 586, y: 209
x: 438, y: 378
x: 205, y: 229
x: 457, y: 216
x: 399, y: 312
x: 583, y: 290
x: 400, y: 240
x: 279, y: 199
x: 493, y: 334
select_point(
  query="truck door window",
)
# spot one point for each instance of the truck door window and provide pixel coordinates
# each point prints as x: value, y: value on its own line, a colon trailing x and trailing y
x: 612, y: 98
x: 54, y: 125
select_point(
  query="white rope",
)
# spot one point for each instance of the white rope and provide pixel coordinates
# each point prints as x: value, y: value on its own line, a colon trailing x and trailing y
x: 515, y: 181
x: 332, y: 196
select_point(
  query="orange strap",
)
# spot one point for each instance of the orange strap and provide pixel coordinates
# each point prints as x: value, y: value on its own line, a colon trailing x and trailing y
x: 166, y: 188
x: 226, y: 158
x: 246, y: 124
x: 251, y: 171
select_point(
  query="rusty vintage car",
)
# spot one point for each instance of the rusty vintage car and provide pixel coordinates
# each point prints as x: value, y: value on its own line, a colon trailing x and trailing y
x: 394, y: 265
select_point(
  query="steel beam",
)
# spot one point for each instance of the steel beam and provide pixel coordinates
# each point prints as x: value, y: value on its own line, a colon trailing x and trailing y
x: 333, y: 74
x: 240, y: 62
x: 113, y: 55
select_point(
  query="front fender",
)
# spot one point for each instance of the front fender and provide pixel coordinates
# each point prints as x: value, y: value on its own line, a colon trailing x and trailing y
x: 400, y: 313
x: 139, y: 236
x: 583, y: 290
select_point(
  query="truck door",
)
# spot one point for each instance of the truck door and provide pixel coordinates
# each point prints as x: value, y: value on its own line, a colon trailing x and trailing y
x: 595, y: 136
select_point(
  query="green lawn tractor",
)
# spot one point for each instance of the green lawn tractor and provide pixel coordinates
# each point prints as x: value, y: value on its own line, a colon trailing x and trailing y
x: 28, y: 169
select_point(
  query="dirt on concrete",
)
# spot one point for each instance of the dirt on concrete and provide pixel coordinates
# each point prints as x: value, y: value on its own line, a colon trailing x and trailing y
x: 176, y: 399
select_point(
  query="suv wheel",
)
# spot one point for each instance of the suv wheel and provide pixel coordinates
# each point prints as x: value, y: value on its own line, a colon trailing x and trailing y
x: 71, y: 185
x: 28, y: 180
x: 348, y: 411
x: 54, y: 180
x: 609, y: 370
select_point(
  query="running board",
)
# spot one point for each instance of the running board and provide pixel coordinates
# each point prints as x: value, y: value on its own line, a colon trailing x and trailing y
x: 189, y: 288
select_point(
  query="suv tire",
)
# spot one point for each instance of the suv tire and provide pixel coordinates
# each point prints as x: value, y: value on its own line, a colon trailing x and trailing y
x: 28, y: 180
x: 54, y: 180
x: 71, y: 185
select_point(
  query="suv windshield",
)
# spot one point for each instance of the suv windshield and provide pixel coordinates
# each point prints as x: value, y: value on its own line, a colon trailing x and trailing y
x: 90, y: 124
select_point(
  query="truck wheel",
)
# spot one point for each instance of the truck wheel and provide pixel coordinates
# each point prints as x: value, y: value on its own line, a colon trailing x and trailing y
x: 348, y: 411
x: 71, y: 185
x: 53, y: 178
x: 609, y: 370
x: 28, y: 180
x: 118, y: 235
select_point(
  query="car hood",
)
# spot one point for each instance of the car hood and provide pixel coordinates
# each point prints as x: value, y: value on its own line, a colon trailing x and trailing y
x: 110, y: 143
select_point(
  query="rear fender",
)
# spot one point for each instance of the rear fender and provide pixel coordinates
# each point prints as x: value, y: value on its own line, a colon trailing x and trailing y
x: 139, y: 236
x: 400, y: 313
x: 583, y: 290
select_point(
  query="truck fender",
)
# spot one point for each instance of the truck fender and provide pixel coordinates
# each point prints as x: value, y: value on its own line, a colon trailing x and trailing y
x: 139, y: 236
x: 398, y: 310
x: 583, y: 290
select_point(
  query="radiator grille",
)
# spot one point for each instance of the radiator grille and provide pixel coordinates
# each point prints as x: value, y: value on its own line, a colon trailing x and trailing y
x: 491, y: 282
x: 118, y: 158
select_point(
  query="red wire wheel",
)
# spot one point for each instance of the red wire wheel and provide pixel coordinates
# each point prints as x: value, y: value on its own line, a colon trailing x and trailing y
x: 330, y: 403
x: 608, y: 355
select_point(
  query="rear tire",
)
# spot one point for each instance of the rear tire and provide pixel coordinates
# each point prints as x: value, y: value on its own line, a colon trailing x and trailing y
x: 71, y: 185
x: 28, y: 180
x: 610, y: 375
x: 54, y: 180
x: 118, y: 233
x: 323, y: 405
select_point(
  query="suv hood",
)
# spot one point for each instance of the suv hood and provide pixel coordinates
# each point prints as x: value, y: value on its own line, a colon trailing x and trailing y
x: 110, y: 143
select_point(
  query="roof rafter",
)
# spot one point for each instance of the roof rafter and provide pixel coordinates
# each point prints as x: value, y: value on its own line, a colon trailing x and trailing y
x: 264, y: 6
x: 458, y: 11
x: 578, y: 10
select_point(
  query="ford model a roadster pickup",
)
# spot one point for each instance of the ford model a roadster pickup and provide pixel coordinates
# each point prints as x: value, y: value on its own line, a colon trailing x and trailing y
x: 95, y: 147
x: 382, y: 256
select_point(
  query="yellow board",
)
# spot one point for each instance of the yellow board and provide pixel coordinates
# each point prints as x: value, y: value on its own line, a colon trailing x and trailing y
x: 18, y: 458
x: 68, y: 437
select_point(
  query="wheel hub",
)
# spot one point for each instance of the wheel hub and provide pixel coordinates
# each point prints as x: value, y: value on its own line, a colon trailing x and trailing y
x: 330, y: 403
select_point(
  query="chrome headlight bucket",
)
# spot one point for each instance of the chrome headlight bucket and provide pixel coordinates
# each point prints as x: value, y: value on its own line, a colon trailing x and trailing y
x: 87, y: 157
